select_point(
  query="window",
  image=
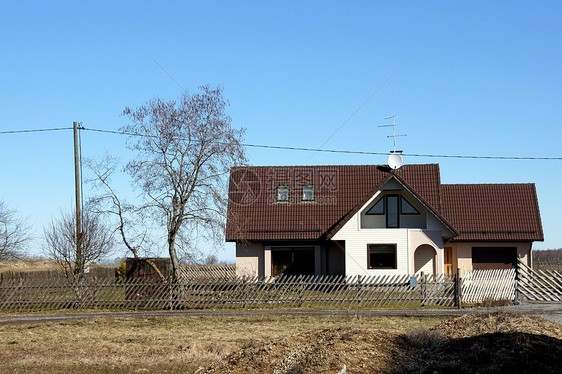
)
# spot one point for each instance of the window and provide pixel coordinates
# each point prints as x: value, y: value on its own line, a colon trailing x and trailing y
x: 392, y: 206
x: 407, y: 208
x: 378, y: 208
x: 282, y: 193
x: 307, y: 193
x: 392, y: 216
x: 381, y: 256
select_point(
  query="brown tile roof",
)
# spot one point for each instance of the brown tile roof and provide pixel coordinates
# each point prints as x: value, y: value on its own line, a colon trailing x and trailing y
x: 254, y: 213
x: 473, y: 212
x: 493, y: 212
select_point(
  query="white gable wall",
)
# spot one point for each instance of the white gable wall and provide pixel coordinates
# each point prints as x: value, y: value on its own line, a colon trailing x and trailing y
x: 434, y: 224
x: 415, y: 231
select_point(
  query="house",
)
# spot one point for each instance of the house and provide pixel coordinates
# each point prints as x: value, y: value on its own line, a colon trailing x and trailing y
x: 370, y: 219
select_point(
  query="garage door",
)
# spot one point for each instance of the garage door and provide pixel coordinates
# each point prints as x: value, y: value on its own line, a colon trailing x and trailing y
x: 494, y: 257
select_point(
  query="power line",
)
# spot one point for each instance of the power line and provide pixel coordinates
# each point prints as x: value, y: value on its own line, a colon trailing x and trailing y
x: 304, y: 149
x: 35, y: 130
x: 112, y: 132
x: 404, y: 154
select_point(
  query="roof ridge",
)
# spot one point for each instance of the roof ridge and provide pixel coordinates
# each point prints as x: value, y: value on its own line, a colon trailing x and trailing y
x: 488, y: 184
x: 328, y: 165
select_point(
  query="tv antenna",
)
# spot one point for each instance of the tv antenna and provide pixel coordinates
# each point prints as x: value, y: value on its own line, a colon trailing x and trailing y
x: 395, y: 160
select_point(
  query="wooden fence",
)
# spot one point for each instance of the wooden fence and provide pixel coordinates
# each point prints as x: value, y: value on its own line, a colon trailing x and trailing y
x: 199, y: 290
x: 197, y: 272
x: 538, y: 285
x: 94, y: 272
x: 328, y: 292
x: 482, y: 285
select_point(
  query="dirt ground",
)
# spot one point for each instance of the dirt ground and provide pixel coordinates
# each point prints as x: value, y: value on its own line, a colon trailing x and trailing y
x: 477, y: 343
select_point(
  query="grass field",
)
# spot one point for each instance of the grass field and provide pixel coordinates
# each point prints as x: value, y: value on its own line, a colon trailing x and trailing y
x: 160, y: 344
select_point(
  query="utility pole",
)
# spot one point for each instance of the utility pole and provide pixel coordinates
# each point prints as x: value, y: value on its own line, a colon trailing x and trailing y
x: 78, y: 268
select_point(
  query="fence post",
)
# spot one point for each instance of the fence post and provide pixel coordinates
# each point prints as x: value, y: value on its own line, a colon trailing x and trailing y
x: 516, y: 300
x: 171, y: 293
x: 458, y: 289
x: 422, y: 288
x: 301, y: 283
x: 358, y: 294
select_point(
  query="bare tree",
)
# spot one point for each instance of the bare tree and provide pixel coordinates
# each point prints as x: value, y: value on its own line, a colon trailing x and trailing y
x: 184, y: 150
x: 60, y: 242
x: 14, y: 234
x: 129, y: 220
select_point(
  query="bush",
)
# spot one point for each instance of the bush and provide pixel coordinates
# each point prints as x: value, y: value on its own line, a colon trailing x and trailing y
x: 121, y: 272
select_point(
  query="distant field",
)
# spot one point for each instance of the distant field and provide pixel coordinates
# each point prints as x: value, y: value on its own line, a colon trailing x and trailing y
x: 549, y: 259
x: 28, y: 265
x: 163, y: 344
x: 38, y: 268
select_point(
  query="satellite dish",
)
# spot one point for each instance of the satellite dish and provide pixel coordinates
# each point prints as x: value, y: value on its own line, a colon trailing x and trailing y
x: 395, y: 160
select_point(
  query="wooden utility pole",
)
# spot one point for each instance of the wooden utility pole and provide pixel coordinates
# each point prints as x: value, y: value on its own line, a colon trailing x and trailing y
x: 78, y: 268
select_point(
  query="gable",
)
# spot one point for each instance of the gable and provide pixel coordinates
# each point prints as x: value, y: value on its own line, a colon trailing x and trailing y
x: 394, y: 205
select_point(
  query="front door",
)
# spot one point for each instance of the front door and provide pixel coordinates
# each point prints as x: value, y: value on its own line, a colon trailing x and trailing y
x: 448, y: 253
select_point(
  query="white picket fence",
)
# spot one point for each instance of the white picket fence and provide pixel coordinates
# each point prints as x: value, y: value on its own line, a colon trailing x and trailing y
x: 481, y: 285
x: 522, y: 283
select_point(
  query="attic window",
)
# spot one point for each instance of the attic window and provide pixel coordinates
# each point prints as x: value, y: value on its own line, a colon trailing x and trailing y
x: 407, y: 208
x: 378, y: 208
x: 308, y: 193
x: 392, y: 216
x: 282, y: 193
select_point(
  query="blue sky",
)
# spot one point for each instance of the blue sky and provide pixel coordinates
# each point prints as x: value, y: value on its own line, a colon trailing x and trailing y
x: 483, y: 78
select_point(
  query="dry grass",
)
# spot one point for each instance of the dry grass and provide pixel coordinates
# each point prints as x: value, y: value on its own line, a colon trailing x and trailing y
x: 161, y: 344
x: 30, y: 264
x: 502, y: 343
x: 478, y: 324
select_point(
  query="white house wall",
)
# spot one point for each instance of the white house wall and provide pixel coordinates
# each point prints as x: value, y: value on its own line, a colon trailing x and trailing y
x: 462, y: 252
x: 419, y: 239
x: 357, y: 241
x: 250, y: 259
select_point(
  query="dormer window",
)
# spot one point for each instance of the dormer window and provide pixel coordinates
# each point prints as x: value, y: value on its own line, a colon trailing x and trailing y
x: 282, y: 193
x: 308, y: 193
